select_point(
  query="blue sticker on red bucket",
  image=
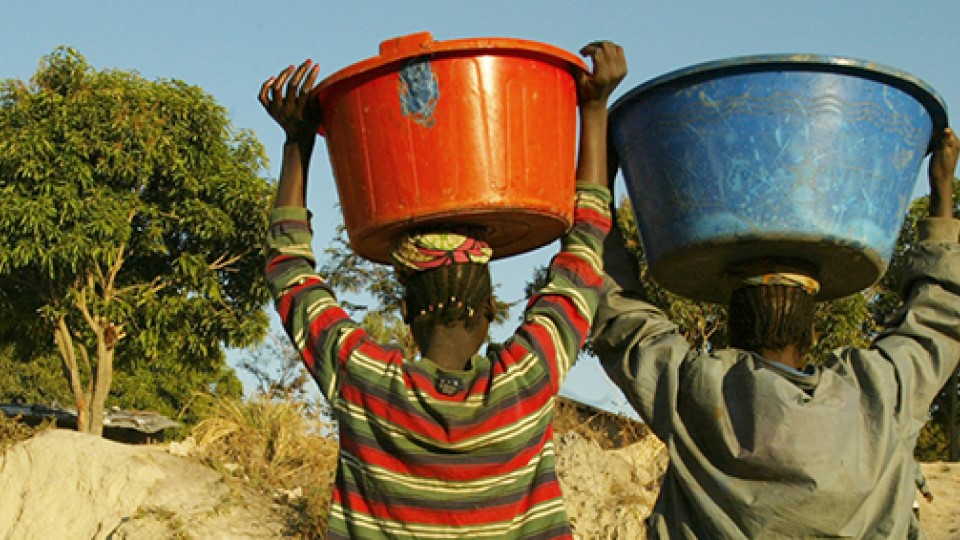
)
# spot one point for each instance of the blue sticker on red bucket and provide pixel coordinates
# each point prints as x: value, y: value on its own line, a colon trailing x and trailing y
x: 419, y: 91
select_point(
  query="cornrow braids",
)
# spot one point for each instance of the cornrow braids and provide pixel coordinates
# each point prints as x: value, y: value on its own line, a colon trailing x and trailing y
x: 771, y: 317
x: 447, y: 294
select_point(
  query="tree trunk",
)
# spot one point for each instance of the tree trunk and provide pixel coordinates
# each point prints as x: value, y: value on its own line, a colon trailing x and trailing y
x: 953, y: 416
x: 101, y: 385
x: 90, y: 401
x: 68, y: 353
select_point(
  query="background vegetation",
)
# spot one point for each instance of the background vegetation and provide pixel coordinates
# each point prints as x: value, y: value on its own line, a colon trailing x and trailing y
x: 131, y: 219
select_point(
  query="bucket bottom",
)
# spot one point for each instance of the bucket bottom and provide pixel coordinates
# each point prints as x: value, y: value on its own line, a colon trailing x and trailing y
x: 508, y: 231
x: 696, y: 272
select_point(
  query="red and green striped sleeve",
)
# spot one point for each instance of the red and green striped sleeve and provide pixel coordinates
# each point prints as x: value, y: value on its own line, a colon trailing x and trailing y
x: 558, y: 317
x: 319, y: 328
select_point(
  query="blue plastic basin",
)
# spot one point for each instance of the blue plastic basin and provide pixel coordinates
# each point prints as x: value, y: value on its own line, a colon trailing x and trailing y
x: 802, y: 157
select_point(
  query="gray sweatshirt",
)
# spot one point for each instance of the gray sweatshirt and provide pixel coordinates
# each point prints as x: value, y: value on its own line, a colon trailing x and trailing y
x: 759, y: 450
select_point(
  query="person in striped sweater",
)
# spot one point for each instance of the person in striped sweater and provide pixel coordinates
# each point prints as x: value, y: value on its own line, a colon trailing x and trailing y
x: 453, y: 444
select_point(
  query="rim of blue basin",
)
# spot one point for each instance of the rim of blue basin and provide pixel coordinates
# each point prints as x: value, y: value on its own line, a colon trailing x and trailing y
x: 910, y: 84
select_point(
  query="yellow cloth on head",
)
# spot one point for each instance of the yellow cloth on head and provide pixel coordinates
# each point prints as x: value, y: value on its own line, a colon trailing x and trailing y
x: 789, y: 279
x: 415, y: 252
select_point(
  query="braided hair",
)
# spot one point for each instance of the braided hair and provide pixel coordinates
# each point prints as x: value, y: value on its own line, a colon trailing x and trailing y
x: 447, y: 294
x: 771, y: 317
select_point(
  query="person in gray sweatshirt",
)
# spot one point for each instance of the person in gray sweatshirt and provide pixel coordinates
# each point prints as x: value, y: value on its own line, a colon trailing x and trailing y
x: 763, y: 443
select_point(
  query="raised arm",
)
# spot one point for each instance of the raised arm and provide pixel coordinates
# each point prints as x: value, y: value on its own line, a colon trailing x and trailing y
x: 308, y: 310
x: 594, y: 89
x: 558, y: 317
x: 943, y: 163
x: 639, y: 347
x: 288, y: 99
x: 923, y: 342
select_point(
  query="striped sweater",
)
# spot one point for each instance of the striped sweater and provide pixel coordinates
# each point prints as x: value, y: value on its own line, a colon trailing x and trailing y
x: 416, y: 462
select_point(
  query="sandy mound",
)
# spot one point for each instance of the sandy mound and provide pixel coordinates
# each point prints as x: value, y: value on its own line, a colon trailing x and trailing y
x: 941, y: 518
x: 608, y: 493
x: 63, y: 484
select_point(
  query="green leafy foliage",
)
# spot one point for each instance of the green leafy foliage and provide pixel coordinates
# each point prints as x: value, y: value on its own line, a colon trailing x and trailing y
x: 131, y: 219
x: 37, y: 380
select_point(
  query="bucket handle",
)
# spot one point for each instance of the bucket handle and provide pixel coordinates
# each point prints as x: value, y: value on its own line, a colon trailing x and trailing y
x: 415, y: 44
x: 613, y: 165
x: 316, y: 100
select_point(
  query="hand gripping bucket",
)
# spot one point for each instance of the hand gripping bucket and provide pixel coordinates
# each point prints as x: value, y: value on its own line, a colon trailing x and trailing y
x: 800, y: 157
x: 477, y: 132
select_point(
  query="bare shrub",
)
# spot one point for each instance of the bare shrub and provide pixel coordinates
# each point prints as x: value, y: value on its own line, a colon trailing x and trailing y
x: 610, y: 468
x: 282, y: 448
x: 12, y: 430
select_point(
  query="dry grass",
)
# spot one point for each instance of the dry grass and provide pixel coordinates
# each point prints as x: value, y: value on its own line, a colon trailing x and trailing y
x: 280, y: 448
x: 12, y: 430
x: 606, y: 429
x: 609, y: 468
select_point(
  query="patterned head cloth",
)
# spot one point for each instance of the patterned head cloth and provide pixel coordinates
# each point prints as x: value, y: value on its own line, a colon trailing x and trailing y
x: 417, y: 252
x: 771, y: 272
x: 785, y: 278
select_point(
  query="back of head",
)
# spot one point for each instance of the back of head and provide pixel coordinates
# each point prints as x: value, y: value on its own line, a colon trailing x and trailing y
x: 771, y: 317
x: 448, y: 294
x: 772, y: 306
x: 445, y: 276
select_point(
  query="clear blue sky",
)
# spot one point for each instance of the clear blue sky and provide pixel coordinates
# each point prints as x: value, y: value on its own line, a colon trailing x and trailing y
x: 229, y: 48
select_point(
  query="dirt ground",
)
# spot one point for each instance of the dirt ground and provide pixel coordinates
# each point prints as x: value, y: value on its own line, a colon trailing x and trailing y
x: 609, y: 493
x: 941, y: 518
x: 126, y: 492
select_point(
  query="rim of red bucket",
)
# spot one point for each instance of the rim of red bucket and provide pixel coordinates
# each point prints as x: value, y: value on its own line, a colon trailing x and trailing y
x: 912, y: 85
x: 423, y: 44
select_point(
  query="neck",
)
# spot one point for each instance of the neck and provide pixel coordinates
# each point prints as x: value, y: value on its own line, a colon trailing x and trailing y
x: 788, y: 356
x: 452, y: 347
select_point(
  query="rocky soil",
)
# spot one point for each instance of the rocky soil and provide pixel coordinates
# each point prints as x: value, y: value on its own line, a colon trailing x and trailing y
x: 941, y: 518
x: 65, y: 485
x: 61, y: 484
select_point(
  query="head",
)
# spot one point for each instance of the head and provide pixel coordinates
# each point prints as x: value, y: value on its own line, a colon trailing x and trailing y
x: 454, y: 295
x: 447, y: 285
x: 772, y: 310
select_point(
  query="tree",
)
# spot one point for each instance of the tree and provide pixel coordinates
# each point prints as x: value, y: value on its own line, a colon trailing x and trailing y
x: 131, y: 220
x: 278, y: 370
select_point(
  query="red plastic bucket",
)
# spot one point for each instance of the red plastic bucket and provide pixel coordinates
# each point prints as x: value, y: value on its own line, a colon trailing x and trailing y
x: 478, y: 132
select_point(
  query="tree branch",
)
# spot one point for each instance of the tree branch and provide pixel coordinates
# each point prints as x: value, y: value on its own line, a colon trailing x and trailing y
x: 85, y: 310
x: 62, y: 337
x: 64, y: 340
x: 114, y: 270
x: 223, y: 262
x: 155, y: 285
x: 85, y: 356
